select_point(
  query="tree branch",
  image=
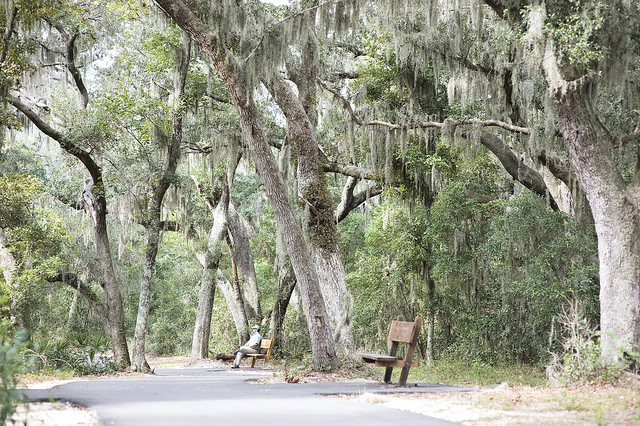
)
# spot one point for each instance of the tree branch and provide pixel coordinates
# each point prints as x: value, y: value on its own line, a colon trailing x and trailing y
x: 71, y: 66
x: 351, y: 201
x: 423, y: 124
x: 62, y: 140
x: 522, y: 173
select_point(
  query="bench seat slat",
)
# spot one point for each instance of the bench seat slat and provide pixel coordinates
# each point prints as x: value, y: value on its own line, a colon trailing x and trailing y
x: 398, y: 363
x: 377, y: 357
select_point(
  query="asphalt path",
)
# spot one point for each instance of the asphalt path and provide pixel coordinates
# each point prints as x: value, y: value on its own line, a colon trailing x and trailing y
x: 220, y: 396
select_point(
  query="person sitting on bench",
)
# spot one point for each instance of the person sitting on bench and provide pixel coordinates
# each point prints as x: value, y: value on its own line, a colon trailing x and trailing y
x: 251, y: 347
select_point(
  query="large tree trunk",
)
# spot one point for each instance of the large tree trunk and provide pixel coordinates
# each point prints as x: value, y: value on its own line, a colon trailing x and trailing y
x: 113, y: 297
x: 319, y: 328
x: 320, y: 225
x: 615, y: 208
x: 139, y: 362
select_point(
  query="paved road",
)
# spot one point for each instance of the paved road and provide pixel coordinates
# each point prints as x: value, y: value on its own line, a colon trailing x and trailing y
x: 210, y: 396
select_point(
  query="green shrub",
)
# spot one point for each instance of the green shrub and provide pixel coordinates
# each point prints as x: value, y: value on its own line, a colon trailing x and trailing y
x: 81, y: 354
x: 12, y: 364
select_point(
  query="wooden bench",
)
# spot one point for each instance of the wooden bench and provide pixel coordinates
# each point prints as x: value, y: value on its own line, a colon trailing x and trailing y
x: 400, y: 331
x: 266, y: 344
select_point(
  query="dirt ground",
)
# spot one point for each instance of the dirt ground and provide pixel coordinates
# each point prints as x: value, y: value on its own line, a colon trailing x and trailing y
x: 591, y: 404
x: 506, y: 405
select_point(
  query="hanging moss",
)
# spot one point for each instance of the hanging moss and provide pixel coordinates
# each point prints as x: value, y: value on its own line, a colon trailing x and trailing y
x: 320, y: 221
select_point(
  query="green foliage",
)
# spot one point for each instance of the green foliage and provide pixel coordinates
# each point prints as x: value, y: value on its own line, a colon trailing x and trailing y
x: 174, y: 299
x: 387, y: 279
x: 12, y: 365
x: 509, y: 264
x: 575, y: 27
x: 79, y: 354
x: 18, y: 195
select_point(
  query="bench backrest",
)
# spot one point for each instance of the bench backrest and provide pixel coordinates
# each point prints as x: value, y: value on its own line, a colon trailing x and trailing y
x: 265, y: 343
x: 404, y: 331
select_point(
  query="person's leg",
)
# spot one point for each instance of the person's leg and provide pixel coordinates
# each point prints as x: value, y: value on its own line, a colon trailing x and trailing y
x: 241, y: 352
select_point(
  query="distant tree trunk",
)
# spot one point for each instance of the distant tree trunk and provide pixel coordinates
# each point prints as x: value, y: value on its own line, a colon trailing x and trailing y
x: 285, y: 276
x: 8, y: 265
x: 235, y: 300
x: 323, y: 349
x: 154, y: 211
x: 245, y: 266
x: 286, y: 285
x: 7, y: 261
x: 210, y: 261
x: 202, y: 328
x: 431, y: 287
x: 138, y: 360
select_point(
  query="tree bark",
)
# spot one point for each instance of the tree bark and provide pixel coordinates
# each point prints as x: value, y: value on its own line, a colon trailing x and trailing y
x: 235, y: 300
x: 154, y: 211
x: 431, y: 288
x: 286, y: 285
x: 202, y: 328
x: 320, y: 225
x: 319, y: 328
x: 615, y: 208
x: 7, y: 261
x: 210, y: 261
x: 245, y: 266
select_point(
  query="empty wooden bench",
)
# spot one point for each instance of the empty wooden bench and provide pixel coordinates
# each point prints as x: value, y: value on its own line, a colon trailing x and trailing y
x: 400, y: 331
x: 264, y: 352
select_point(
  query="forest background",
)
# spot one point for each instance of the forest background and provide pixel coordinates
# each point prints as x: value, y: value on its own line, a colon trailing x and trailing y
x: 173, y: 172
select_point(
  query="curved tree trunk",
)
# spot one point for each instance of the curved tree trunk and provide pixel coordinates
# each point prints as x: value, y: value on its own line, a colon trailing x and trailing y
x: 97, y: 209
x: 139, y: 362
x: 113, y: 297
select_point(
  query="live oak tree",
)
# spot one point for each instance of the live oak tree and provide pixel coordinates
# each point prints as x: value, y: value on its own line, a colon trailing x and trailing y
x: 565, y: 71
x: 65, y: 25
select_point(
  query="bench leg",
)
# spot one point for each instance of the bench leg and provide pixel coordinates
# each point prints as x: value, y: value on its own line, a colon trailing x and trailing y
x: 404, y: 375
x: 253, y: 361
x: 387, y: 374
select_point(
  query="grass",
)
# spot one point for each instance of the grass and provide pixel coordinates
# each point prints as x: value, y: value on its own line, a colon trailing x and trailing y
x: 476, y: 374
